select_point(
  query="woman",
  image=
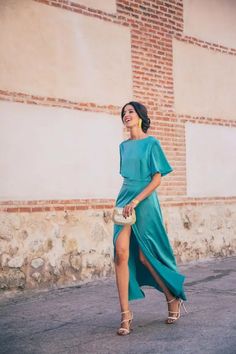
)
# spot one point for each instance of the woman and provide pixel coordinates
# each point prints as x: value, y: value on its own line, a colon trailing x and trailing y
x: 142, y: 252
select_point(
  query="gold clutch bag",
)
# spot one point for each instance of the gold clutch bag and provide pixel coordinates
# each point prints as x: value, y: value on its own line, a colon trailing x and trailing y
x: 119, y: 219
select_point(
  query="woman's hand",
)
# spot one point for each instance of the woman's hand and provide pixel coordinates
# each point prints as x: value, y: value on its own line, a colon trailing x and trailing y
x: 128, y: 209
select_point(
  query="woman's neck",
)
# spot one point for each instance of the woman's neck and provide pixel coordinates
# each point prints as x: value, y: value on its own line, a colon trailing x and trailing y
x: 136, y: 134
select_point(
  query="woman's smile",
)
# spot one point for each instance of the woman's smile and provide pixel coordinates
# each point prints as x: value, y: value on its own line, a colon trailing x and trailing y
x: 128, y: 119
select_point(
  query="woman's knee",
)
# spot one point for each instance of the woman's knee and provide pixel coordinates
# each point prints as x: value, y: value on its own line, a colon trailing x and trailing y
x: 122, y: 256
x: 122, y: 245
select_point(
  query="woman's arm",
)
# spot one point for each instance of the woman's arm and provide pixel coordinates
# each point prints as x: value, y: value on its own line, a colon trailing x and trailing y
x: 155, y: 182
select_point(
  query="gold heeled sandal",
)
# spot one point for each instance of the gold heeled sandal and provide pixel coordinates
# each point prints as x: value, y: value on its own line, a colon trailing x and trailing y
x: 124, y: 331
x: 172, y: 319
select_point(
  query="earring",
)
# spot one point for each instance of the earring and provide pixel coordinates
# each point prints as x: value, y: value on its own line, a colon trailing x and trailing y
x: 140, y: 123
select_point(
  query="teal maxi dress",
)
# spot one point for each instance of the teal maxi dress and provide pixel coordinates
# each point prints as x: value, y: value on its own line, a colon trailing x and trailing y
x: 139, y: 161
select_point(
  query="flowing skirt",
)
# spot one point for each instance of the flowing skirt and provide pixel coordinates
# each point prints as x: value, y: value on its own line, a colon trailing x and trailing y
x: 148, y: 234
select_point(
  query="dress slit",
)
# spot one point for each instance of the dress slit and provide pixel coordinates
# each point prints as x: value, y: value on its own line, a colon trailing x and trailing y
x: 140, y: 275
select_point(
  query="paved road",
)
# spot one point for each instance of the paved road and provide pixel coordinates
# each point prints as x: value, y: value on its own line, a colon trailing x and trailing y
x: 84, y: 319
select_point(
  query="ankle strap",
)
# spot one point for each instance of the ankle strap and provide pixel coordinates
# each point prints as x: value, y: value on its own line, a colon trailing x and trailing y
x: 175, y: 298
x: 125, y: 311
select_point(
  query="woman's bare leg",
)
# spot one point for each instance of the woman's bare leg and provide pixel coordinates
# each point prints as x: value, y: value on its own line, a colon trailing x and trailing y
x: 122, y: 270
x: 173, y: 306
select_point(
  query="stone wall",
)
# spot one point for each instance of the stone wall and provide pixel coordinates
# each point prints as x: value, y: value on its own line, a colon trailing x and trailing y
x: 49, y: 249
x: 42, y: 249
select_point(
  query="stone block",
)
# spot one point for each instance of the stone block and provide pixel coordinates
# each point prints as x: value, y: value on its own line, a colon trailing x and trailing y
x: 37, y: 262
x: 16, y: 262
x: 12, y: 279
x: 76, y: 261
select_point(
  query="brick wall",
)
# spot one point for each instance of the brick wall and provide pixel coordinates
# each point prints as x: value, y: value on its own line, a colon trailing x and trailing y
x: 153, y: 26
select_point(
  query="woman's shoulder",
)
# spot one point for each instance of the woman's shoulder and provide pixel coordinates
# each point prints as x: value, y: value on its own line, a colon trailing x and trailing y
x: 153, y: 139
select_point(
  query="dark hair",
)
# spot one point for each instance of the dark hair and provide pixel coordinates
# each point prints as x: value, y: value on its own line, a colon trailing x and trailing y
x: 141, y: 111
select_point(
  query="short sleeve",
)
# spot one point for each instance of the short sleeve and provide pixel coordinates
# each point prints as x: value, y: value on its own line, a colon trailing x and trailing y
x: 158, y: 160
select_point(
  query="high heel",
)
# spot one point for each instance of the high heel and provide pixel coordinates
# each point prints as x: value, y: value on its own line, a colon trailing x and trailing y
x: 124, y: 331
x: 172, y: 319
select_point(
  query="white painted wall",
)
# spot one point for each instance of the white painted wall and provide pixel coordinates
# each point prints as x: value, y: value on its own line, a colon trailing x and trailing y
x: 211, y: 20
x: 52, y: 52
x: 204, y: 81
x: 210, y: 160
x: 55, y: 153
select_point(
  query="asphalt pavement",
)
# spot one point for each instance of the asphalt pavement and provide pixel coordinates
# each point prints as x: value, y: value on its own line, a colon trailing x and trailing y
x: 84, y: 318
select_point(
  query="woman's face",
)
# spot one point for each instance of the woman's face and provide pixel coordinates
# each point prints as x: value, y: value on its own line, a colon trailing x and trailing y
x: 130, y: 117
